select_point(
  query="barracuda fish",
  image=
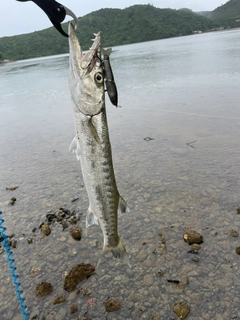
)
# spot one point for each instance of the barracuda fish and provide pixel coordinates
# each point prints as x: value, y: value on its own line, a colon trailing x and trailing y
x: 92, y: 145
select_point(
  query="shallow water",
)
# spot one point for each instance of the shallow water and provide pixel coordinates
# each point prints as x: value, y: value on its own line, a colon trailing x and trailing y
x: 183, y: 93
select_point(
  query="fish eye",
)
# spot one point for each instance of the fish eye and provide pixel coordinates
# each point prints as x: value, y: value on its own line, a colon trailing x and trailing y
x: 99, y: 77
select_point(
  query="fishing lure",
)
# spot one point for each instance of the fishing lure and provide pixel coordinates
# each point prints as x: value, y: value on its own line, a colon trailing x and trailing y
x: 109, y: 78
x: 12, y: 268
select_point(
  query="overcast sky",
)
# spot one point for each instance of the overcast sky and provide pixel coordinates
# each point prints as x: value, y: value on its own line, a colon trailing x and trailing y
x: 24, y: 17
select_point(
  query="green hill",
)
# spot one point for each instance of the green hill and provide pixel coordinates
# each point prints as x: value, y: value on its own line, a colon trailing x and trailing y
x: 231, y: 9
x: 134, y: 24
x: 227, y: 14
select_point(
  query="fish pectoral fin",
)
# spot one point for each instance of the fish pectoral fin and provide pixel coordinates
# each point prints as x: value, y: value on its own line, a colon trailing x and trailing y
x: 75, y: 147
x: 91, y: 218
x: 122, y: 206
x: 118, y: 251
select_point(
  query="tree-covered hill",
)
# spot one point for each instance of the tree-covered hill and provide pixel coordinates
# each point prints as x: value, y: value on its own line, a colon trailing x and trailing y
x: 228, y: 14
x: 134, y: 24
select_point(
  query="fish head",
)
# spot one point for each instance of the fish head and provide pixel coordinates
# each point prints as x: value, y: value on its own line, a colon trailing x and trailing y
x: 86, y: 80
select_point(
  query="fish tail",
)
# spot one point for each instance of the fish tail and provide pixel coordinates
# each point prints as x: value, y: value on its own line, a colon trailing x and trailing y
x: 106, y: 52
x: 118, y: 251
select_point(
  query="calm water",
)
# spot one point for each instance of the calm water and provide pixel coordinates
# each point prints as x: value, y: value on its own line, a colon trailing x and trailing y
x: 184, y: 93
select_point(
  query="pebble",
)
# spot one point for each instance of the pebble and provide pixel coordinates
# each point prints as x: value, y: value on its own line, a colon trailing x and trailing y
x: 59, y: 300
x: 43, y: 289
x: 191, y: 236
x: 112, y: 304
x: 45, y: 229
x: 13, y: 243
x: 76, y: 233
x: 73, y: 308
x: 181, y: 309
x: 195, y: 246
x: 148, y: 280
x: 12, y: 201
x: 238, y: 250
x: 77, y: 274
x: 160, y: 273
x: 11, y: 188
x: 30, y: 240
x: 234, y: 234
x: 86, y: 292
x: 195, y: 259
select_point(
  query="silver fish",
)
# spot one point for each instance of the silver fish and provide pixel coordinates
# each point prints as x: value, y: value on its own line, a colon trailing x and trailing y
x: 92, y: 145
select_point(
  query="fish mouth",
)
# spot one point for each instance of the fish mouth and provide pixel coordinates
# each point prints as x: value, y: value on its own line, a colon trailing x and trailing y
x: 84, y: 62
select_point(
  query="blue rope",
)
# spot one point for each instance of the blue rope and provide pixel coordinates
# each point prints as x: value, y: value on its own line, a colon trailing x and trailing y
x: 12, y: 268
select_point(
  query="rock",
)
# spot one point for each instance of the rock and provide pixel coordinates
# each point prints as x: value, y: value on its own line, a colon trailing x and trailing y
x: 12, y: 201
x: 43, y: 289
x: 64, y: 224
x: 112, y: 304
x: 11, y: 188
x: 73, y: 219
x: 73, y: 308
x: 148, y: 280
x: 195, y: 247
x: 191, y: 236
x: 148, y: 139
x: 160, y: 273
x: 35, y: 270
x: 185, y: 280
x: 59, y: 300
x: 238, y: 250
x: 77, y: 274
x: 234, y: 234
x: 195, y: 259
x: 13, y: 243
x: 30, y: 240
x: 86, y: 292
x: 45, y: 229
x: 76, y: 232
x: 181, y: 309
x: 238, y: 210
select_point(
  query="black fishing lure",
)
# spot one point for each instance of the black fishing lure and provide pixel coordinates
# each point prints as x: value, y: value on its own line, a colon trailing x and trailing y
x: 109, y: 78
x: 56, y: 12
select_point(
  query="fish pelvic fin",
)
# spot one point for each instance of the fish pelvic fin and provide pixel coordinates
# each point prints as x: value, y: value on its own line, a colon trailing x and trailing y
x: 75, y: 147
x: 91, y: 218
x: 122, y: 206
x: 118, y: 252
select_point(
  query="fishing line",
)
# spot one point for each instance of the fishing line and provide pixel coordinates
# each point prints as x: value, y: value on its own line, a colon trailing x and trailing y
x: 184, y: 113
x: 12, y: 268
